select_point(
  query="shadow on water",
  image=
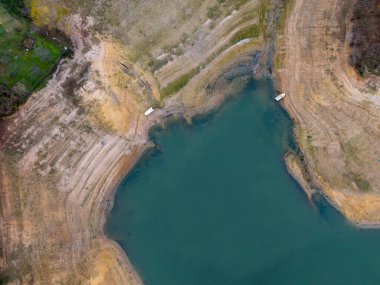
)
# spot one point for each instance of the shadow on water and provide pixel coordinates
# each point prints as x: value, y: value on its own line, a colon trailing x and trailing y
x: 213, y: 204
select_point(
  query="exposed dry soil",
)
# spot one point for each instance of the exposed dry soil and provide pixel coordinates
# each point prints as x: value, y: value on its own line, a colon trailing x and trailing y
x: 63, y: 153
x: 337, y: 113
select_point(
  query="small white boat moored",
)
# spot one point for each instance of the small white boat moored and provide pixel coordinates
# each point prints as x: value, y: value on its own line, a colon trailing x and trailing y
x: 149, y: 111
x: 279, y: 97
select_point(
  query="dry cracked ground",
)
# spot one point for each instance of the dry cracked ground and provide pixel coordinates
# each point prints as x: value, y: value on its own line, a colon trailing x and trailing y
x: 65, y: 150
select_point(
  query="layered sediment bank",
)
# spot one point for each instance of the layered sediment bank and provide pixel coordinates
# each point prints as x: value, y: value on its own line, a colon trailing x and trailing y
x: 336, y: 112
x: 67, y: 148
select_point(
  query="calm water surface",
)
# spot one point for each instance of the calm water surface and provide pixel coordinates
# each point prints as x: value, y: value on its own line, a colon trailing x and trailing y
x: 214, y: 205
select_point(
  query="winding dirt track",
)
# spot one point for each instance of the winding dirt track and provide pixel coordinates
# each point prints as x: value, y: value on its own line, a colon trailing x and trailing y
x: 337, y: 115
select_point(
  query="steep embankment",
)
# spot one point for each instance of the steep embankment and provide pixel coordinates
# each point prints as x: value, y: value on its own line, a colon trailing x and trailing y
x: 337, y: 113
x: 66, y: 149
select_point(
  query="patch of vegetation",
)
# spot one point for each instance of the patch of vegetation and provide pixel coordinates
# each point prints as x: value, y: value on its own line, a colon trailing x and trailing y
x: 156, y: 64
x: 264, y: 9
x: 214, y: 12
x: 285, y: 6
x: 27, y: 67
x: 47, y: 13
x: 15, y: 7
x: 266, y: 6
x: 177, y: 85
x: 351, y: 150
x: 365, y: 42
x: 362, y: 183
x: 310, y: 145
x: 174, y: 49
x: 247, y: 33
x: 24, y: 67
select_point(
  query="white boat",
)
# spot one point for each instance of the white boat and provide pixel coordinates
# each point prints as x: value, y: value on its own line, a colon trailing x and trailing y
x: 149, y: 111
x: 279, y: 97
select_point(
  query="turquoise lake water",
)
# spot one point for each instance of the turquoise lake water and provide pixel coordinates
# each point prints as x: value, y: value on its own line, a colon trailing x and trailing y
x: 213, y: 204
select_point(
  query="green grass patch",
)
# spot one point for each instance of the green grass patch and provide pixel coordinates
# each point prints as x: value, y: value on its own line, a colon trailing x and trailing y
x: 19, y: 65
x: 247, y: 33
x: 351, y: 150
x: 278, y: 61
x: 26, y: 67
x: 310, y: 146
x: 177, y: 85
x: 23, y: 70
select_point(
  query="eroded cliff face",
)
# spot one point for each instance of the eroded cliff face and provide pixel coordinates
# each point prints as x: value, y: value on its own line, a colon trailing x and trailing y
x: 337, y: 113
x: 66, y: 149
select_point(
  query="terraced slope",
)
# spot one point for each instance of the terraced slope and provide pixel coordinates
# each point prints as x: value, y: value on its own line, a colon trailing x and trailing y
x: 63, y: 153
x: 336, y: 111
x: 66, y: 149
